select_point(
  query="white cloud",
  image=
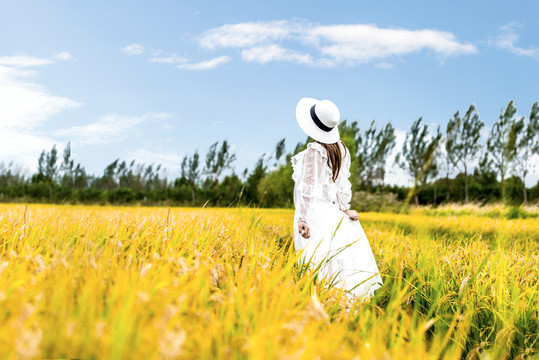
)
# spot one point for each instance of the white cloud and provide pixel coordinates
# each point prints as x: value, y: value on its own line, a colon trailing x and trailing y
x: 363, y: 43
x: 24, y: 147
x: 24, y: 61
x: 169, y: 59
x: 330, y: 45
x: 384, y: 65
x: 245, y: 34
x: 205, y: 65
x: 133, y: 49
x: 25, y: 104
x: 263, y: 54
x: 108, y: 128
x: 507, y: 40
x: 63, y: 56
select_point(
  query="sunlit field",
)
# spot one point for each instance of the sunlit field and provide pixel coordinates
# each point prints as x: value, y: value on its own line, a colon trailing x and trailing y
x: 150, y: 283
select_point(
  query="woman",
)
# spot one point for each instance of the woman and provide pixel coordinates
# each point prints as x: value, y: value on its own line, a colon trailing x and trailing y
x: 325, y: 228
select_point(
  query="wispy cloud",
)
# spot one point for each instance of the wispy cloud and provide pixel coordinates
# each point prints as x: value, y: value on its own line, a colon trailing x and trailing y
x: 329, y: 45
x: 24, y: 61
x: 205, y: 65
x: 363, y: 43
x: 109, y: 128
x: 63, y: 56
x: 172, y: 59
x: 186, y: 63
x: 264, y: 54
x: 23, y: 147
x: 384, y: 65
x: 508, y: 38
x: 24, y: 106
x: 133, y: 49
x: 246, y: 34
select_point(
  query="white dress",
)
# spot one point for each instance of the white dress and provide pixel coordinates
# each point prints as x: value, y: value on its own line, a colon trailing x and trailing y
x: 320, y: 203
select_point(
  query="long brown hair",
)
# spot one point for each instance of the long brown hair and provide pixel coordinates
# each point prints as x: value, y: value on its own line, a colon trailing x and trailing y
x: 334, y: 157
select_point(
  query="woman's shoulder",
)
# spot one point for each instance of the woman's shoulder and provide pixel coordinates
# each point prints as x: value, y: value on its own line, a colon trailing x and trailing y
x: 312, y: 148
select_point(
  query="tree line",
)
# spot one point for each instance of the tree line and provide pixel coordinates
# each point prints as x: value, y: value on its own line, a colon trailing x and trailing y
x: 485, y: 170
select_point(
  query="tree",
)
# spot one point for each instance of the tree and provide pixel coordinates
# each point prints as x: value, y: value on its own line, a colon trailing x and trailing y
x: 373, y: 149
x: 211, y: 160
x: 366, y: 144
x: 451, y: 148
x: 527, y: 144
x: 224, y: 159
x: 349, y: 134
x: 80, y: 179
x: 501, y: 143
x: 433, y: 173
x: 254, y: 179
x: 279, y: 151
x: 108, y: 179
x: 193, y: 172
x: 218, y: 161
x: 47, y: 167
x: 418, y: 152
x: 385, y: 142
x: 462, y: 143
x: 67, y: 167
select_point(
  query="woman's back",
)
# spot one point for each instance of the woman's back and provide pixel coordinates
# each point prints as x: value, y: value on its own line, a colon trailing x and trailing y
x: 313, y: 176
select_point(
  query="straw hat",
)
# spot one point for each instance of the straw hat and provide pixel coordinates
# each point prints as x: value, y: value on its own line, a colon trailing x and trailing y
x: 319, y: 119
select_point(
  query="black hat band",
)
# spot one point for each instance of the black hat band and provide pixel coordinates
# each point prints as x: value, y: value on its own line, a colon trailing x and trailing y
x: 317, y: 121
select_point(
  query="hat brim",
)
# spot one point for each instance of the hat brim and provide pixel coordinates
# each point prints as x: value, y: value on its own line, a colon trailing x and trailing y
x: 306, y: 123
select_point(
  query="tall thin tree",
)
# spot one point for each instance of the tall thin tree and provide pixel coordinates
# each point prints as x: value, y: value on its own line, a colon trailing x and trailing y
x: 193, y: 172
x: 463, y: 145
x: 527, y: 145
x: 501, y: 143
x: 452, y: 150
x: 385, y: 142
x: 417, y: 154
x: 68, y: 166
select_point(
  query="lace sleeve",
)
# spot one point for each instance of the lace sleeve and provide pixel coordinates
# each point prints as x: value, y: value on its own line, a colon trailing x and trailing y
x: 307, y: 176
x: 344, y: 187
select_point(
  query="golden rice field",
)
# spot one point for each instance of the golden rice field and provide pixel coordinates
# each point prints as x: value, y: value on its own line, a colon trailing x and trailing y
x: 157, y: 283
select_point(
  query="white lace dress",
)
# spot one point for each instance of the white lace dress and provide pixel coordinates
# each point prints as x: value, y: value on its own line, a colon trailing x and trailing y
x: 337, y: 242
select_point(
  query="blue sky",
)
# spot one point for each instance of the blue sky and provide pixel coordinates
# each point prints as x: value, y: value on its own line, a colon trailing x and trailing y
x: 156, y: 80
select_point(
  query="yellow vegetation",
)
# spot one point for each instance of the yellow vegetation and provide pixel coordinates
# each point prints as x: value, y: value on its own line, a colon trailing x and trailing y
x: 157, y: 283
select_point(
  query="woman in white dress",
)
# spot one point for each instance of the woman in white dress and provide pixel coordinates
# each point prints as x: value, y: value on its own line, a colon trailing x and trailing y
x: 325, y: 228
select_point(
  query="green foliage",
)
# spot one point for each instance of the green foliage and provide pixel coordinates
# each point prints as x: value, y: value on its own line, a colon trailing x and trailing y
x: 350, y: 134
x: 252, y: 194
x: 278, y: 188
x: 372, y: 151
x: 377, y: 201
x: 462, y: 142
x: 502, y: 142
x: 527, y: 144
x: 516, y: 213
x: 418, y: 152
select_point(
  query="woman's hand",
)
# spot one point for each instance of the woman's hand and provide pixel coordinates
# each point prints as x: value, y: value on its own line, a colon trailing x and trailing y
x: 304, y: 229
x: 352, y: 214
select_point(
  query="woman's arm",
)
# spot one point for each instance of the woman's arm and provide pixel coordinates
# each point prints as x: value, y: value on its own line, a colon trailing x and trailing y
x: 307, y: 178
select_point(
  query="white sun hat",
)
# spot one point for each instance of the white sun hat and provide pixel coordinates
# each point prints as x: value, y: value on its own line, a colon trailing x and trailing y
x: 319, y: 119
